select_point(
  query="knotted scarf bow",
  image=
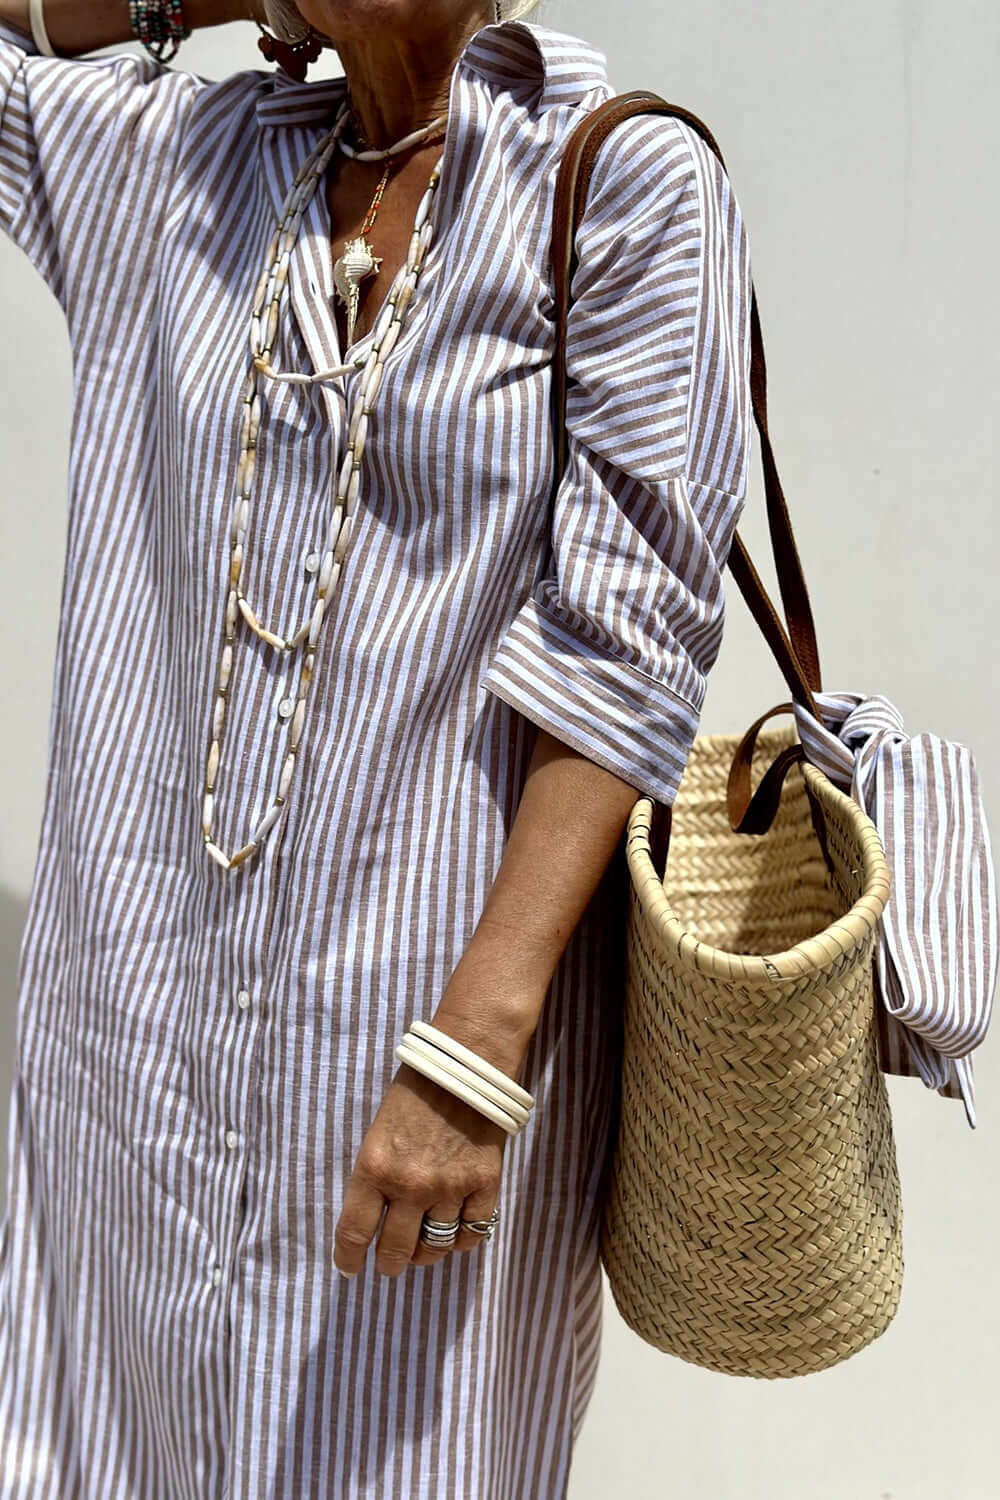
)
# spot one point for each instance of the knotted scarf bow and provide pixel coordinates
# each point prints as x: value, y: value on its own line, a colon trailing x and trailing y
x: 936, y: 955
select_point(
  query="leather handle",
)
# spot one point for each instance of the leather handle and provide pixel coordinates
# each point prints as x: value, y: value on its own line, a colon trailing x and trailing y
x: 794, y: 649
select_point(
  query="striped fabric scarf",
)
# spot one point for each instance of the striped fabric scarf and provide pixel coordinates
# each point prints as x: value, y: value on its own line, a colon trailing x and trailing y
x: 937, y: 951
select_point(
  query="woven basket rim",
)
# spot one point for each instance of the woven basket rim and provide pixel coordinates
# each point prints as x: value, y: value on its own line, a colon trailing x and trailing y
x: 812, y: 955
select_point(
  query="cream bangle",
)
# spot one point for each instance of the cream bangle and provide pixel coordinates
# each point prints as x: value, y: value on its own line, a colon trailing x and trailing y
x: 459, y: 1070
x: 40, y: 37
x: 472, y: 1060
x: 457, y: 1087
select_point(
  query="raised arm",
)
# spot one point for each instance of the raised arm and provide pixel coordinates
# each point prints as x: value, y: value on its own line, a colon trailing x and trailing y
x: 74, y: 28
x: 90, y: 143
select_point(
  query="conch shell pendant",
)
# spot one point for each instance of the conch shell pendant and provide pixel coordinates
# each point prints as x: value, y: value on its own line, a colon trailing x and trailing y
x: 349, y: 271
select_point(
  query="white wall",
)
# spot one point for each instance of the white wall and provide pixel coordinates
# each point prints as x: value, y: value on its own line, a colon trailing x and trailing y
x: 863, y: 142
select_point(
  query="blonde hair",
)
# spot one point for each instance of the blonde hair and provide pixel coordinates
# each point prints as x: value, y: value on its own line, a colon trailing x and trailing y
x: 515, y: 10
x: 286, y: 22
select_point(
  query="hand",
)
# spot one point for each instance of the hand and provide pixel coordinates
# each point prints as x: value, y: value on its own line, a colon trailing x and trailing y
x: 428, y: 1152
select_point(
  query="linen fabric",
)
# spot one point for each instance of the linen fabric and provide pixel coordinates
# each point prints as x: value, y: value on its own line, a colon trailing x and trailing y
x: 199, y: 1051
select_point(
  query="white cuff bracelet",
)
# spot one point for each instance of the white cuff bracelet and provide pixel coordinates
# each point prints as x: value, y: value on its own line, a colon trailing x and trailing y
x: 459, y: 1070
x: 472, y: 1060
x: 457, y: 1087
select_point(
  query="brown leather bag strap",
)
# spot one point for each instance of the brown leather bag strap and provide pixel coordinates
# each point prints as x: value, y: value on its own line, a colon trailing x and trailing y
x: 798, y: 656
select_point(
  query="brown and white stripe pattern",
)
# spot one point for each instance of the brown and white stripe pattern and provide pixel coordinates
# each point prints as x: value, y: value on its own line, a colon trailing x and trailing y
x: 201, y: 1052
x: 938, y: 946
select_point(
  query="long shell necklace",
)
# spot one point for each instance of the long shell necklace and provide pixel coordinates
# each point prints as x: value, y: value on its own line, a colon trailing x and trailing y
x: 263, y: 328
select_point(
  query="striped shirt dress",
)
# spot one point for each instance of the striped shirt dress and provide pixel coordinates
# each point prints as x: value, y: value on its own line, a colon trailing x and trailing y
x: 200, y: 1051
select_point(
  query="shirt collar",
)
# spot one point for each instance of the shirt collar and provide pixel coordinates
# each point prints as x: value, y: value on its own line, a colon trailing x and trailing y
x: 517, y: 56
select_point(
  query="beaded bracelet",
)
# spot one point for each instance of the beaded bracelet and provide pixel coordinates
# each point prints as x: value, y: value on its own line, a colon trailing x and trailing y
x: 159, y: 24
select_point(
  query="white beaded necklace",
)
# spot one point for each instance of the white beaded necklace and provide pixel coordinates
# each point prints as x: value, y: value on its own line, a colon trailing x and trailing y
x: 263, y: 328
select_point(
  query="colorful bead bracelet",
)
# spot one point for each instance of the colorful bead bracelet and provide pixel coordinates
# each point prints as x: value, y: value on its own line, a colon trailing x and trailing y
x: 159, y: 24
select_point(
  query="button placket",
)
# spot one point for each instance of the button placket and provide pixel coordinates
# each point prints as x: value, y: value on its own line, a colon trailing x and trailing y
x: 251, y: 927
x: 236, y: 1081
x: 250, y: 932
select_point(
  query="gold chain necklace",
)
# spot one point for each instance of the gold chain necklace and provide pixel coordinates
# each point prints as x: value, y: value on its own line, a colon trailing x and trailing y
x: 357, y: 260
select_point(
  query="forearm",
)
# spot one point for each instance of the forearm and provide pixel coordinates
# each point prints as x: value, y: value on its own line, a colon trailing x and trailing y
x: 74, y: 27
x: 567, y: 826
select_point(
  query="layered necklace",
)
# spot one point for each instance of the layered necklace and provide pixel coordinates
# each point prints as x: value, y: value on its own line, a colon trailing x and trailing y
x: 352, y: 266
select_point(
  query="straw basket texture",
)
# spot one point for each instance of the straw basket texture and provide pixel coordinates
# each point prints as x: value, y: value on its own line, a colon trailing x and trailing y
x: 753, y: 1220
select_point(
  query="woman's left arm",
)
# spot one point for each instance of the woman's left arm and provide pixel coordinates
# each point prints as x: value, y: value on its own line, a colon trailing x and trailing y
x: 427, y: 1150
x: 568, y: 823
x: 610, y: 653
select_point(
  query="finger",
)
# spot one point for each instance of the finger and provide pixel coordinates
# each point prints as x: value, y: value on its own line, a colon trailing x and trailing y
x: 444, y: 1213
x: 357, y: 1226
x: 477, y: 1206
x: 398, y: 1238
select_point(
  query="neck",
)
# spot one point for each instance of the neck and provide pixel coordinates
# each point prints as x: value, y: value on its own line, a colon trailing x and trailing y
x: 397, y: 84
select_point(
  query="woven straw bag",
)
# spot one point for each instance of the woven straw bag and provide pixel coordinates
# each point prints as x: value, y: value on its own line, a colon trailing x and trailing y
x: 752, y: 1221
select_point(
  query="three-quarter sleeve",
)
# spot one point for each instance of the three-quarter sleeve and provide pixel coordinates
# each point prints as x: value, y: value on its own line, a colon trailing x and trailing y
x: 611, y: 650
x: 85, y: 144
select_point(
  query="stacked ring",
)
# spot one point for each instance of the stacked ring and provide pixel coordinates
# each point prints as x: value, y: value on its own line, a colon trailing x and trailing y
x: 439, y: 1234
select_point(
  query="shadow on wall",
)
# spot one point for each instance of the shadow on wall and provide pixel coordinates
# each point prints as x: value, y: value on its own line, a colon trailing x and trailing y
x: 13, y: 916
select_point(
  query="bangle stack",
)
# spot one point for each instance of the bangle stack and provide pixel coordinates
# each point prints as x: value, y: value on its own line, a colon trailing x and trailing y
x: 465, y: 1074
x: 159, y: 24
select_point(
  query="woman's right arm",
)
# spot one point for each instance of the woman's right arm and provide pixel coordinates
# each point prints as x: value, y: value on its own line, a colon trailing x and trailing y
x: 74, y: 28
x: 88, y: 144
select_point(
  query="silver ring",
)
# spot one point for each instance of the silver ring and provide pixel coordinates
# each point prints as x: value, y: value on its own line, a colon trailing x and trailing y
x: 438, y: 1234
x: 484, y: 1227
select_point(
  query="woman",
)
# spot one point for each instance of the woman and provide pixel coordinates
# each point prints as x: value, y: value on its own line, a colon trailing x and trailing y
x: 213, y: 1273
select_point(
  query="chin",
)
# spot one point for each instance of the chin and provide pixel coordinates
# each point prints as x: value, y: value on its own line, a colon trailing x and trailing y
x: 357, y: 20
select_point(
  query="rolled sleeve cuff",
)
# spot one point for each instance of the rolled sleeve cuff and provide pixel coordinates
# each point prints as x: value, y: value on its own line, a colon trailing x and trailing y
x: 602, y: 706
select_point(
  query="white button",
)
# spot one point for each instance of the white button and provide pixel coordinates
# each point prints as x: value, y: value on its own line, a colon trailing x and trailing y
x: 217, y: 1276
x: 311, y: 562
x: 286, y: 707
x: 243, y: 999
x: 232, y: 1139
